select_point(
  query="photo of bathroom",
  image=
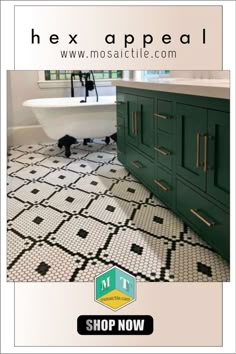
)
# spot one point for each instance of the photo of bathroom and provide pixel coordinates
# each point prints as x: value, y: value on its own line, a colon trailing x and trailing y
x: 118, y: 168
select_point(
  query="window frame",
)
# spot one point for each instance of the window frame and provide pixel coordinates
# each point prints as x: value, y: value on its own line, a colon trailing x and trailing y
x: 42, y: 83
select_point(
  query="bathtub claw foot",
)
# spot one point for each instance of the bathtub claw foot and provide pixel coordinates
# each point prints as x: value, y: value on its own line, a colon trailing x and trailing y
x: 107, y: 140
x: 67, y: 151
x: 85, y: 142
x: 67, y: 141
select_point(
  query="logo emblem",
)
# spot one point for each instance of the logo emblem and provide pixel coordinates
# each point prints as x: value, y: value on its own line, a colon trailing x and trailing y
x: 115, y: 288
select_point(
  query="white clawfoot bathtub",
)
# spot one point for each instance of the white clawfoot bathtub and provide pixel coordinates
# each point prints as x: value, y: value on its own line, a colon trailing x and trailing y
x: 67, y: 116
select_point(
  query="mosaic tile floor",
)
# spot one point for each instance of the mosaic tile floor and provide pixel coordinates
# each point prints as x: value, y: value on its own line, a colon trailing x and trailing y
x: 70, y: 219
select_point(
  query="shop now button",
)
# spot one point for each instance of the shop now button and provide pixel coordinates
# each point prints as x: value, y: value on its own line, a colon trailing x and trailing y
x: 115, y: 325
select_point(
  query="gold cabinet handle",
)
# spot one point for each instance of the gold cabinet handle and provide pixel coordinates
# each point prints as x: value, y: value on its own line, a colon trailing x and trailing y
x: 136, y: 123
x: 198, y: 150
x: 161, y: 185
x: 133, y: 123
x: 200, y: 217
x: 160, y: 116
x: 137, y: 164
x: 205, y: 153
x: 162, y: 151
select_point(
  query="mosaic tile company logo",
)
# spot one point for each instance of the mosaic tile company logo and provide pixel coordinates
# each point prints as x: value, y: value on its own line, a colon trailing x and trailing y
x: 115, y: 288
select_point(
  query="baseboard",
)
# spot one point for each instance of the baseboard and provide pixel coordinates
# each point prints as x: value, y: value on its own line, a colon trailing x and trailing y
x: 26, y: 135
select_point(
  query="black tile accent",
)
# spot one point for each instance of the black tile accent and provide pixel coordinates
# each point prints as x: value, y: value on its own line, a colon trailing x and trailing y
x: 43, y: 268
x: 136, y: 249
x: 37, y: 220
x: 83, y: 166
x: 70, y: 199
x: 33, y: 172
x: 31, y: 157
x: 205, y: 269
x: 158, y: 219
x: 82, y: 233
x: 55, y: 161
x: 131, y: 190
x: 113, y: 171
x: 35, y: 191
x: 110, y: 208
x: 51, y: 149
x: 94, y: 183
x: 61, y: 177
x: 100, y: 156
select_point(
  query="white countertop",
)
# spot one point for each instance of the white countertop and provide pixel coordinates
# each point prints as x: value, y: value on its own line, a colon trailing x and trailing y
x: 198, y: 87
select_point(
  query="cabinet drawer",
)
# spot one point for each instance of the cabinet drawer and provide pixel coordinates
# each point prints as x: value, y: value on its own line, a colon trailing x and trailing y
x: 142, y: 167
x: 163, y: 116
x: 163, y: 185
x: 210, y: 222
x: 163, y: 149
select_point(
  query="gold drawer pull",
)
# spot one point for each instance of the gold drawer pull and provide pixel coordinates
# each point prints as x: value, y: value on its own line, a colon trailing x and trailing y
x: 205, y: 153
x: 200, y: 217
x: 198, y: 151
x: 136, y: 122
x: 161, y: 185
x: 162, y: 151
x: 133, y: 122
x: 136, y: 164
x: 160, y: 116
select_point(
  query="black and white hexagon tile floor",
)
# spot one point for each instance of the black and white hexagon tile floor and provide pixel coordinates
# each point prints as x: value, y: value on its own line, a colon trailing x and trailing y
x: 70, y: 219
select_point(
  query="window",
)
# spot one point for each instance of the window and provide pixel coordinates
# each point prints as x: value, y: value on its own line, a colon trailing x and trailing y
x: 155, y: 73
x: 98, y: 74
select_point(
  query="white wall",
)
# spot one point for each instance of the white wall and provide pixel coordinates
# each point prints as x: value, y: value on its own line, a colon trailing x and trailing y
x: 23, y: 127
x: 201, y: 74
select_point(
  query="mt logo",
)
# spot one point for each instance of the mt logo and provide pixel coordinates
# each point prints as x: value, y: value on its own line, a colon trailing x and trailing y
x: 115, y: 288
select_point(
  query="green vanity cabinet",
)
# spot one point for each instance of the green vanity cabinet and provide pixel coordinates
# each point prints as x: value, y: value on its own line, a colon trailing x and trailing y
x: 140, y: 122
x: 178, y: 146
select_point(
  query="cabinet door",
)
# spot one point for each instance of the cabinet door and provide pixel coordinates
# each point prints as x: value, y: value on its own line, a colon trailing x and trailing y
x: 145, y: 125
x: 131, y: 120
x: 191, y: 128
x: 218, y: 174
